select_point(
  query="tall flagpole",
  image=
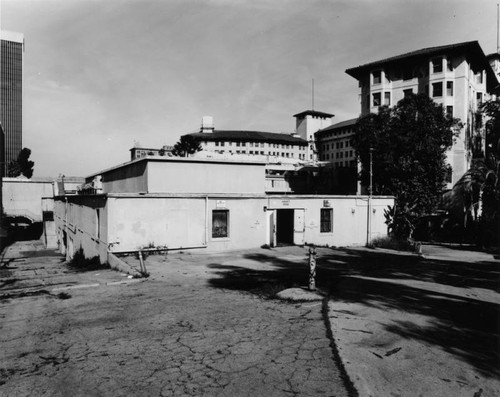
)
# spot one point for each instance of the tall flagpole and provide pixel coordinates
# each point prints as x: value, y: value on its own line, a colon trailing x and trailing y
x: 497, y: 29
x: 312, y: 94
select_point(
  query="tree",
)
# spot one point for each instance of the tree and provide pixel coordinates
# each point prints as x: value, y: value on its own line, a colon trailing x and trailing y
x: 490, y: 187
x: 21, y: 166
x: 187, y: 145
x: 491, y: 109
x: 409, y: 143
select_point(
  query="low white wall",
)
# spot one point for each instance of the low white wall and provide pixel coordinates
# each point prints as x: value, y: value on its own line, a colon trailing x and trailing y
x: 23, y: 197
x: 81, y: 222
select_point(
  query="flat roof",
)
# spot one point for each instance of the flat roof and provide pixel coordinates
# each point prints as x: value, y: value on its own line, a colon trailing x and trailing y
x: 243, y: 135
x: 176, y: 160
x: 7, y: 35
x: 346, y: 123
x: 237, y: 196
x: 471, y: 48
x: 314, y: 113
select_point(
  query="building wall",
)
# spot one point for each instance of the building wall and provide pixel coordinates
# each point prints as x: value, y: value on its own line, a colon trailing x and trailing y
x: 82, y: 222
x: 129, y: 223
x: 306, y: 126
x: 205, y: 177
x: 350, y: 217
x: 387, y: 86
x: 49, y: 225
x: 11, y: 93
x: 131, y: 177
x: 335, y: 146
x: 265, y: 151
x: 23, y: 197
x: 137, y: 222
x: 184, y: 176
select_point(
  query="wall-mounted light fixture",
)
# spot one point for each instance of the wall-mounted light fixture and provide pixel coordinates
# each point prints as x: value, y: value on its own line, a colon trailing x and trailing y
x: 353, y: 210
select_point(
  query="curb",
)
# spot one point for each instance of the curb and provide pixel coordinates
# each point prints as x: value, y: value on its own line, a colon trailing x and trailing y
x: 348, y: 383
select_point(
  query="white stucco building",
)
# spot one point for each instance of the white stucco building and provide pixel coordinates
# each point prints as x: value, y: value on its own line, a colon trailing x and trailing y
x: 335, y: 144
x: 205, y: 204
x: 457, y: 76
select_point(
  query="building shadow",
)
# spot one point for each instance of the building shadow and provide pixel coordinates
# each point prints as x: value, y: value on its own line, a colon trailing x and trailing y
x: 459, y: 323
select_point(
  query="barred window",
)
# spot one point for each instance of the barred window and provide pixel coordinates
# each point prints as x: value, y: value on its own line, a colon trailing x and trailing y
x: 220, y: 223
x: 326, y: 220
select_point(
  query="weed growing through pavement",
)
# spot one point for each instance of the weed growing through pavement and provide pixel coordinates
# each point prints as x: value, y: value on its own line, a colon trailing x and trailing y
x: 83, y: 264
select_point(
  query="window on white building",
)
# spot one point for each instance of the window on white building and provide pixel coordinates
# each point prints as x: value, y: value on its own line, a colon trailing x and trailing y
x: 376, y: 99
x: 449, y: 88
x: 377, y: 77
x: 407, y: 92
x: 437, y: 65
x: 437, y: 89
x: 220, y: 223
x: 387, y: 98
x: 326, y: 221
x: 449, y: 111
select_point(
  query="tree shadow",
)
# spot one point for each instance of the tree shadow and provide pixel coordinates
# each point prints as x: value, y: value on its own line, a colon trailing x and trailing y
x: 465, y: 327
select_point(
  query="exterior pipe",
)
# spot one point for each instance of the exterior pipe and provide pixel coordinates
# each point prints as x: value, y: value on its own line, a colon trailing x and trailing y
x: 159, y: 249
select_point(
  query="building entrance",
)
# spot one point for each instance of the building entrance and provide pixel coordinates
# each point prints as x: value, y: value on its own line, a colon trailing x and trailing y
x: 284, y: 226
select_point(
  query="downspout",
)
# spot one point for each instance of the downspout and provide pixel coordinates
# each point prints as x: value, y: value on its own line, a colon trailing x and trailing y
x: 206, y: 220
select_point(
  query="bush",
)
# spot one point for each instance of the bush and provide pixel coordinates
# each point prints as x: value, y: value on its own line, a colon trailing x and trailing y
x: 393, y: 243
x: 81, y: 263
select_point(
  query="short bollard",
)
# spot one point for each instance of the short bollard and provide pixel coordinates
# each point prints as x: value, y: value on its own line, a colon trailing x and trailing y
x: 312, y: 269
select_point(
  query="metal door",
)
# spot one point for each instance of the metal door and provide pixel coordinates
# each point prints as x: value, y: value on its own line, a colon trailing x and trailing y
x: 298, y: 227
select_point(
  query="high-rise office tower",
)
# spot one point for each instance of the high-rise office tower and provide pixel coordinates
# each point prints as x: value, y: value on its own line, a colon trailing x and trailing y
x: 11, y: 93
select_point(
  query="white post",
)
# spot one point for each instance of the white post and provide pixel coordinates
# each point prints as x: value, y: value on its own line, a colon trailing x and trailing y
x: 369, y: 226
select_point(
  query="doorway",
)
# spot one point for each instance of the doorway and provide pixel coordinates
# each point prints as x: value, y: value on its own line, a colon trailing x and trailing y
x: 284, y: 226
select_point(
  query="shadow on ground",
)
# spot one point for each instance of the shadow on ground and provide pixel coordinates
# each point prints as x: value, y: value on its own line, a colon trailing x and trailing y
x: 466, y: 327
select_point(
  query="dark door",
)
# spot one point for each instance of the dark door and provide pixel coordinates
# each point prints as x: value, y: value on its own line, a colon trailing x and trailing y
x: 284, y: 227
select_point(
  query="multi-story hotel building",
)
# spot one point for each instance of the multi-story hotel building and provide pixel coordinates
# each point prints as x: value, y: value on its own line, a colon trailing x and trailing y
x: 263, y: 146
x: 335, y: 144
x: 11, y: 93
x: 457, y: 76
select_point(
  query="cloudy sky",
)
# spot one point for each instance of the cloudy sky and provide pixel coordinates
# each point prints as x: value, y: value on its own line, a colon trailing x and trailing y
x: 101, y: 74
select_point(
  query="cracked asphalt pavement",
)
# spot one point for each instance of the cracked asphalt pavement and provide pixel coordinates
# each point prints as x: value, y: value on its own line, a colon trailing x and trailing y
x: 180, y: 332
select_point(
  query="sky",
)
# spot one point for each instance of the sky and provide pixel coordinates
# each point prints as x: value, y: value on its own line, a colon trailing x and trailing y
x: 101, y: 75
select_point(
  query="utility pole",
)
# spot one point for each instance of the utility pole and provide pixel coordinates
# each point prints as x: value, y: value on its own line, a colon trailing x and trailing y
x: 370, y: 192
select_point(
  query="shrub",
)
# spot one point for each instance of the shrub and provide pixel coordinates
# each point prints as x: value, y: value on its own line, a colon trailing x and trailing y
x: 81, y: 263
x: 393, y: 243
